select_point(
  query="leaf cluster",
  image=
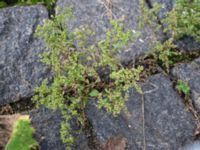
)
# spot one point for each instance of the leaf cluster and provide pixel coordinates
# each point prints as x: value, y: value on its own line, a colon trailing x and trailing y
x: 182, y: 20
x: 161, y: 50
x: 85, y: 69
x: 183, y: 87
x: 3, y: 4
x: 48, y: 3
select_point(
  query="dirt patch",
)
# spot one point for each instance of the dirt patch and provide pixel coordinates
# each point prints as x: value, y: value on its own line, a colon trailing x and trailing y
x: 115, y: 143
x: 22, y: 106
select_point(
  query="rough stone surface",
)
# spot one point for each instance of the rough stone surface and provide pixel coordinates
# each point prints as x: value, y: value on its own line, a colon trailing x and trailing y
x: 193, y: 146
x: 95, y: 13
x: 190, y: 72
x: 168, y: 126
x: 188, y: 44
x: 20, y: 69
x: 167, y: 5
x: 47, y: 125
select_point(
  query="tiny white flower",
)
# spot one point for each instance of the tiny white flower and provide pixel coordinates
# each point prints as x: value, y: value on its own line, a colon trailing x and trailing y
x: 133, y: 31
x: 184, y: 12
x: 141, y: 40
x: 127, y: 50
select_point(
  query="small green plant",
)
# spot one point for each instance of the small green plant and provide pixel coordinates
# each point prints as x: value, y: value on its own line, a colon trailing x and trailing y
x: 161, y: 51
x: 3, y: 4
x: 183, y: 19
x: 183, y: 87
x: 48, y: 3
x: 85, y: 69
x: 21, y: 138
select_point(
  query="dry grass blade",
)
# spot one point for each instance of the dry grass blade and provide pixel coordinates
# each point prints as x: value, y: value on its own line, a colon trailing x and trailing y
x: 109, y: 6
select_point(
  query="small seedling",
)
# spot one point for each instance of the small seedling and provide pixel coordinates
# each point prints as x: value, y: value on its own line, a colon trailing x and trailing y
x: 183, y: 87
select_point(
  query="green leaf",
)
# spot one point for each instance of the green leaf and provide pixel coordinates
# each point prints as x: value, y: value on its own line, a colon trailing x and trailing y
x: 94, y: 93
x: 22, y: 135
x: 2, y: 4
x: 183, y: 86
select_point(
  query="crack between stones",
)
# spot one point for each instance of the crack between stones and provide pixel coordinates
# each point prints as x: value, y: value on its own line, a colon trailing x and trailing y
x: 159, y: 22
x: 52, y: 10
x: 34, y: 27
x: 188, y: 103
x: 24, y: 105
x: 93, y: 142
x: 149, y: 4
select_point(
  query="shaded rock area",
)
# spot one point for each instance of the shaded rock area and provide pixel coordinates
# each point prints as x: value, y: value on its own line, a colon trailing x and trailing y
x: 96, y: 13
x: 20, y: 69
x: 47, y: 125
x: 190, y: 72
x: 166, y: 6
x: 188, y: 44
x: 168, y: 126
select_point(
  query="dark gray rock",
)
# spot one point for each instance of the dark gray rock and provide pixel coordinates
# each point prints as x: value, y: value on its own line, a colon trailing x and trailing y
x: 168, y: 126
x: 20, y: 67
x: 193, y: 146
x: 166, y: 6
x: 95, y: 14
x: 188, y: 44
x: 190, y: 72
x: 47, y: 125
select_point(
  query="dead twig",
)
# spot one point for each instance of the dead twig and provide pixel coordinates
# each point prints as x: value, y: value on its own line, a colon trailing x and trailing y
x: 109, y: 7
